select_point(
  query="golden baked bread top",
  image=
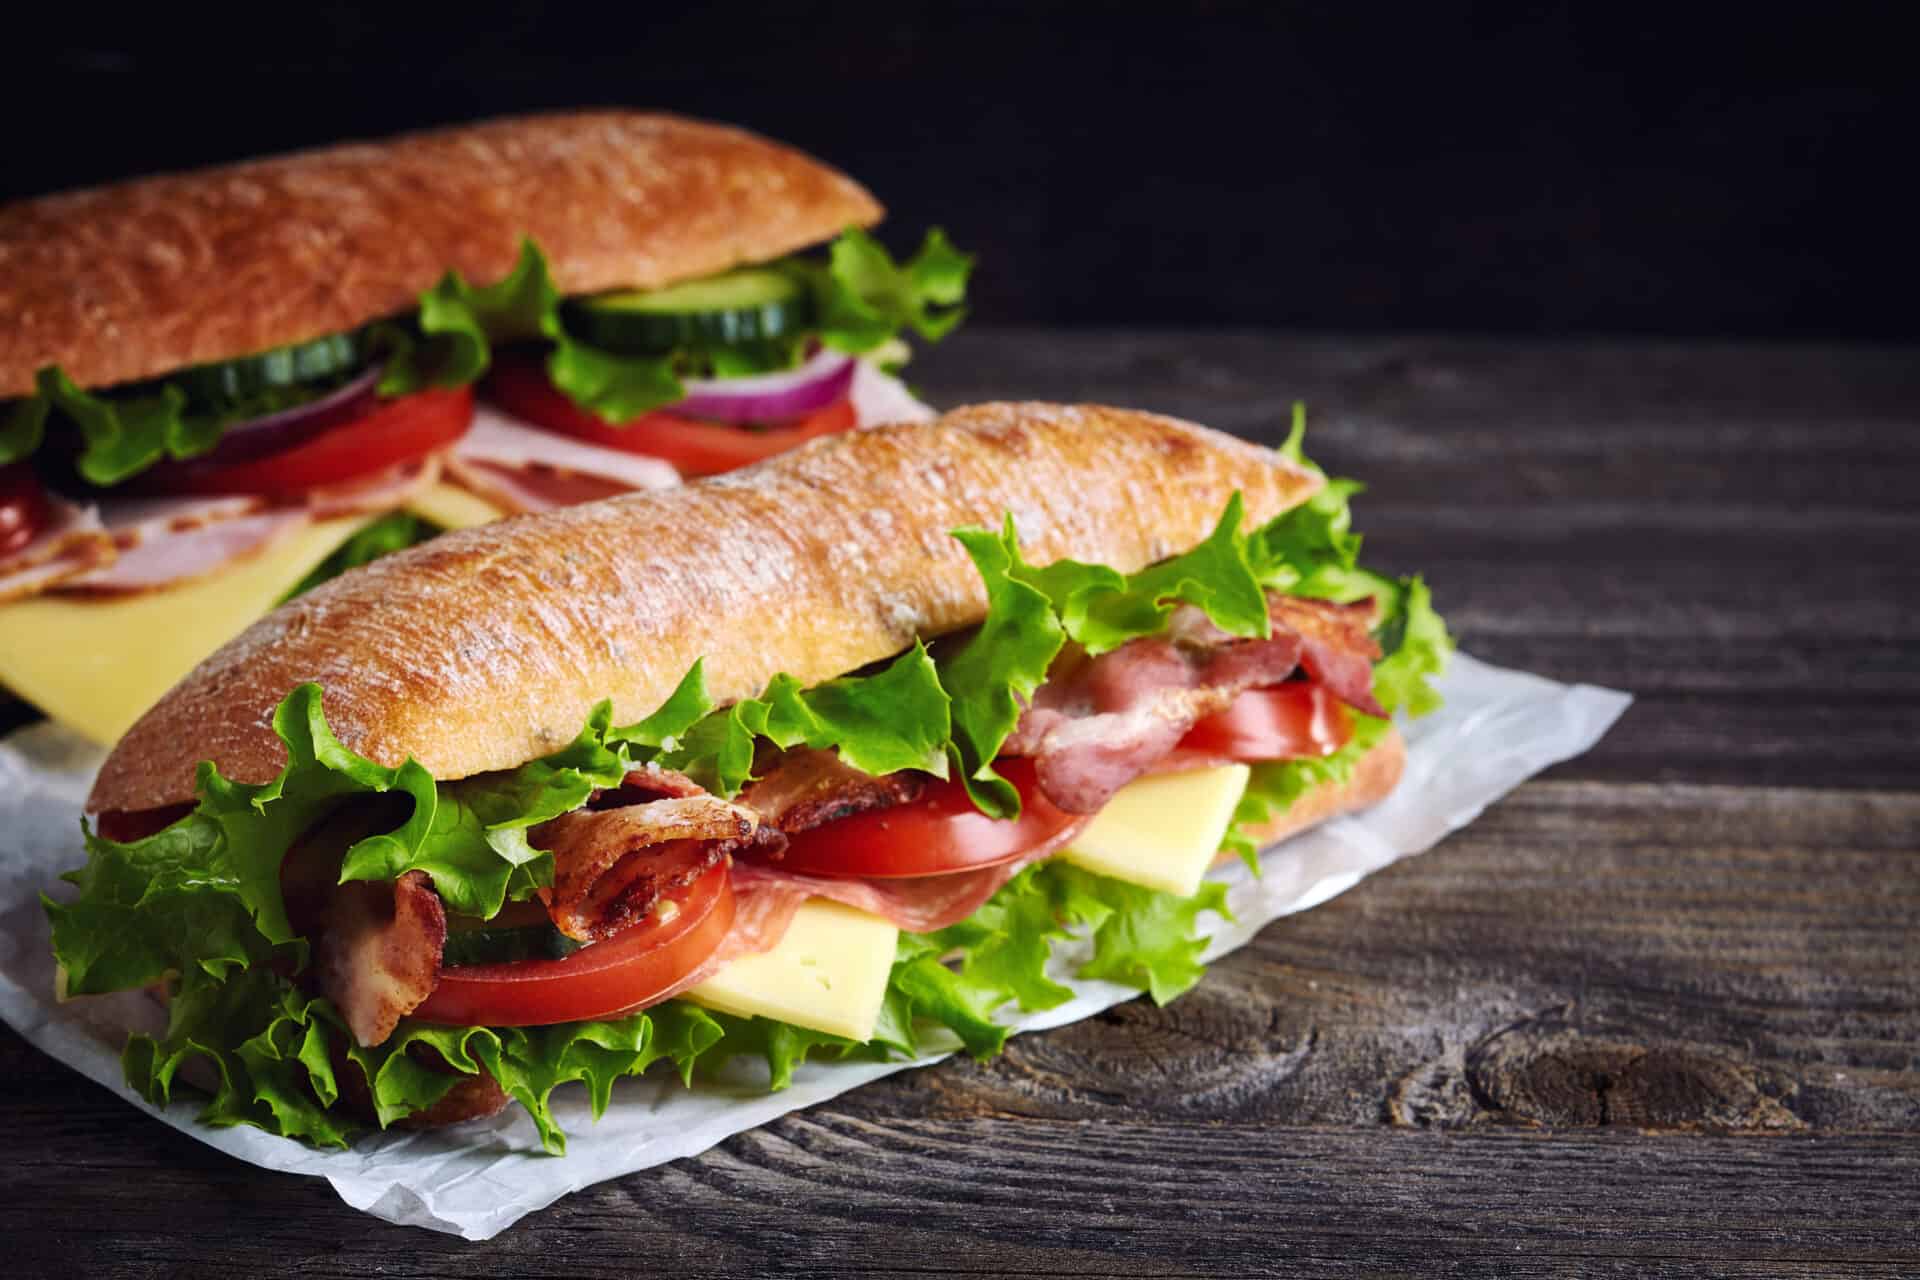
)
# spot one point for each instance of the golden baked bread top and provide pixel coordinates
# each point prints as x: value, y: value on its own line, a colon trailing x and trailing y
x: 135, y: 280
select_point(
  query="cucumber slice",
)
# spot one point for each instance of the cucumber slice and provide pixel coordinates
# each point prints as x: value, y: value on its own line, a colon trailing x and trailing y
x: 233, y: 382
x: 756, y: 304
x: 504, y: 940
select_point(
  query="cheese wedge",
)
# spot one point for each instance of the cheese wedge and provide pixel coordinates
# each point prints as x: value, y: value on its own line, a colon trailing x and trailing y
x: 452, y: 507
x: 96, y: 665
x: 829, y: 973
x: 1162, y: 832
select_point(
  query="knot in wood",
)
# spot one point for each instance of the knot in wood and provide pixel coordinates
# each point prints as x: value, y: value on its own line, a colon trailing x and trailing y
x: 1534, y: 1073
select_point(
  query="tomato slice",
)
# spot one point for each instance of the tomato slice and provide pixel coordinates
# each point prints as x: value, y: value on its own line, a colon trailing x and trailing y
x: 624, y: 972
x: 939, y: 832
x: 396, y: 431
x: 23, y: 507
x: 1285, y: 722
x: 124, y: 826
x: 519, y: 384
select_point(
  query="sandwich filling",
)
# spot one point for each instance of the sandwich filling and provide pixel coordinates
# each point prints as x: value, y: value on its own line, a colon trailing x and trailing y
x: 352, y: 439
x: 354, y: 940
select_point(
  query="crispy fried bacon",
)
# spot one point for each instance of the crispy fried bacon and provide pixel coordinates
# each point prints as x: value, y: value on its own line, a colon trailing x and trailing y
x: 648, y: 782
x: 1099, y: 723
x: 1337, y: 648
x: 804, y: 788
x: 377, y: 951
x: 610, y: 866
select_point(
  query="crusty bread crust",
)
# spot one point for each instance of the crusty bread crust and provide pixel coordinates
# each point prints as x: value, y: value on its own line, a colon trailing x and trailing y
x: 138, y: 279
x: 486, y: 648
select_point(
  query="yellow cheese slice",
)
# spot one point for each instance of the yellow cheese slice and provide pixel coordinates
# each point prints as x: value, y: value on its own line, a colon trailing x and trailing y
x: 95, y: 665
x: 1162, y: 832
x: 452, y: 507
x: 829, y: 973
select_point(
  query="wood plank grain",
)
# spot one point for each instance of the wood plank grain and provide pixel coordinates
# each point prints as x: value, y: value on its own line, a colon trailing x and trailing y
x: 831, y: 1194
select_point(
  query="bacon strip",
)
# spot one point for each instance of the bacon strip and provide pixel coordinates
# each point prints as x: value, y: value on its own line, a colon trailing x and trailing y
x: 1099, y: 723
x: 1338, y: 647
x: 377, y: 952
x: 804, y: 788
x: 610, y: 866
x: 74, y: 542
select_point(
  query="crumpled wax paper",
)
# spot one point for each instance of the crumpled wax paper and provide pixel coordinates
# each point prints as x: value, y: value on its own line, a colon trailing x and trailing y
x: 1497, y: 728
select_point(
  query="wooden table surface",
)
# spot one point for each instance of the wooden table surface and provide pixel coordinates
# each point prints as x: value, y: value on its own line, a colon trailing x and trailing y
x: 1657, y: 1012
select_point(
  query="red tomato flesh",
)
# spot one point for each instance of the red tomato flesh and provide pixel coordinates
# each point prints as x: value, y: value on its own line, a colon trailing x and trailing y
x: 939, y: 832
x: 1285, y: 722
x: 624, y: 972
x: 519, y: 384
x: 395, y: 431
x: 24, y: 511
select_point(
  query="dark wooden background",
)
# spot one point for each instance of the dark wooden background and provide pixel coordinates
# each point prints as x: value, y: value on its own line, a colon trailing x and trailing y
x: 1656, y: 1013
x: 1518, y: 167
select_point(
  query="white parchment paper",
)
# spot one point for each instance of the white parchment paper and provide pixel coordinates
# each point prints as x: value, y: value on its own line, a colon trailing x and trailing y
x: 1498, y: 727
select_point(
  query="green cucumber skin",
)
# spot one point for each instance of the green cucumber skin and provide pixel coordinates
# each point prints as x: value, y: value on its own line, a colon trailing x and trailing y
x: 506, y: 946
x: 755, y: 305
x: 232, y: 382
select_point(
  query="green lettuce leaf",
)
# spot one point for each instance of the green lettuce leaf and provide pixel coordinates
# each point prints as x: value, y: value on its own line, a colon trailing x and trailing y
x: 531, y: 1062
x: 266, y: 1043
x: 996, y: 671
x: 1101, y: 614
x: 896, y: 718
x: 272, y: 1051
x: 1142, y: 937
x: 121, y: 435
x: 470, y: 836
x: 865, y: 299
x: 1417, y: 648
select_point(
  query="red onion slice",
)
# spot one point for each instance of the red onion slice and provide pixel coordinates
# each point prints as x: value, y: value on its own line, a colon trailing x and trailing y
x: 772, y: 397
x: 257, y: 437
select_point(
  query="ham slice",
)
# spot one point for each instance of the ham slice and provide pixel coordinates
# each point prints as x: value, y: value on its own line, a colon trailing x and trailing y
x: 880, y: 397
x: 917, y: 904
x: 134, y: 521
x: 74, y: 542
x: 177, y: 556
x: 525, y: 468
x: 369, y: 495
x: 162, y: 542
